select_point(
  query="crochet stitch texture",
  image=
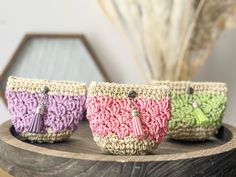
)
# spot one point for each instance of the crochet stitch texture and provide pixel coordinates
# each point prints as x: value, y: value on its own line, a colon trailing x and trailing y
x: 211, y: 98
x: 64, y: 107
x: 109, y: 115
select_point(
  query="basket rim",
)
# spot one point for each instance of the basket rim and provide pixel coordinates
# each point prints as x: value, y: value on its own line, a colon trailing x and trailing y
x: 56, y: 87
x: 199, y: 87
x: 190, y: 83
x: 116, y: 90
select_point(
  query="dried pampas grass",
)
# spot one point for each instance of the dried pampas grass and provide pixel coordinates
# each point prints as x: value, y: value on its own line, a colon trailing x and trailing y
x: 171, y: 39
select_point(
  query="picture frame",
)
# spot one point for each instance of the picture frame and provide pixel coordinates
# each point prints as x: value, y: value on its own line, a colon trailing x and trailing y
x: 54, y: 57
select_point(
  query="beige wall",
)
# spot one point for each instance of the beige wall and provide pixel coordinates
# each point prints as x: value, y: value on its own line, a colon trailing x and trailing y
x: 84, y: 16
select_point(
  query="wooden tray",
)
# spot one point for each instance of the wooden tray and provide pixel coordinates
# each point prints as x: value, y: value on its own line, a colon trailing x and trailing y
x: 80, y: 156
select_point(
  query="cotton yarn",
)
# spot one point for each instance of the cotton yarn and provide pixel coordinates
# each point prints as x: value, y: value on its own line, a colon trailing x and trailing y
x: 211, y: 98
x: 64, y: 107
x: 109, y: 115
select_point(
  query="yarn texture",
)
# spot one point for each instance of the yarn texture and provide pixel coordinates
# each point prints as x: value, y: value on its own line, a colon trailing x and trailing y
x: 109, y: 115
x: 211, y: 100
x: 64, y: 107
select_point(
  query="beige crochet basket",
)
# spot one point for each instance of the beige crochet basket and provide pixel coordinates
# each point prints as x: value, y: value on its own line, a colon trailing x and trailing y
x: 128, y: 119
x: 45, y: 110
x: 197, y: 109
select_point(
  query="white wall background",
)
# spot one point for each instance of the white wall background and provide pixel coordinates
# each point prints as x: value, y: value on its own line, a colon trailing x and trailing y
x: 85, y: 16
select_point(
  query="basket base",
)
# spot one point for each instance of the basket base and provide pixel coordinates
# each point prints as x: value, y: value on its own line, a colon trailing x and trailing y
x: 48, y: 137
x: 127, y: 146
x: 195, y: 133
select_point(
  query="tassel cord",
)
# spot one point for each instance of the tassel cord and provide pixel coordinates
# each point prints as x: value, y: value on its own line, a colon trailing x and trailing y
x: 37, y: 121
x: 199, y: 115
x: 136, y: 122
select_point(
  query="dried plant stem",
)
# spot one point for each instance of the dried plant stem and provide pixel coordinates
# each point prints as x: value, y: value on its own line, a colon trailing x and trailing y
x: 186, y: 41
x: 109, y: 9
x: 170, y: 39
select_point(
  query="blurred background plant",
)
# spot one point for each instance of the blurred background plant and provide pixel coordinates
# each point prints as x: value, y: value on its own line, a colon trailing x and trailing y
x: 170, y: 39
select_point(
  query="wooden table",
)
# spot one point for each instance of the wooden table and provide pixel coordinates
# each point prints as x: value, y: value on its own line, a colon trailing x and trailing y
x: 80, y: 156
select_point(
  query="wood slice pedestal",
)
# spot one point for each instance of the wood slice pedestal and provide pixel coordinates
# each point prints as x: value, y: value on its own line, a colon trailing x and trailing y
x: 80, y: 156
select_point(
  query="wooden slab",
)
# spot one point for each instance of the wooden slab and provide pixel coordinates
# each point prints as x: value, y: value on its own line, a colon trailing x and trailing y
x: 4, y: 174
x: 80, y: 156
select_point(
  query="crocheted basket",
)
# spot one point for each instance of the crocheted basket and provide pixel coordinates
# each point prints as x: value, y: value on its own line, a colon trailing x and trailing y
x: 128, y: 119
x: 197, y: 109
x: 43, y: 110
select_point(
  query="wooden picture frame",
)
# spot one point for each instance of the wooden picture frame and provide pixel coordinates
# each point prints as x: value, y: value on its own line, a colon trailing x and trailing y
x: 18, y: 56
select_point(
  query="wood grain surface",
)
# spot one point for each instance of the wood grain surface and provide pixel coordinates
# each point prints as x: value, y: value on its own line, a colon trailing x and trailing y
x: 80, y: 156
x: 4, y: 174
